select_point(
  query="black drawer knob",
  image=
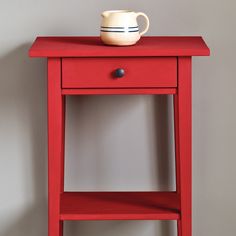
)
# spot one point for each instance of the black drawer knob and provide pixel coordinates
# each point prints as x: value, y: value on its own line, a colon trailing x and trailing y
x: 119, y: 73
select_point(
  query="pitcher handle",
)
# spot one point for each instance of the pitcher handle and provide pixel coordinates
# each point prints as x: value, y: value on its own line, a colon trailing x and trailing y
x: 147, y: 22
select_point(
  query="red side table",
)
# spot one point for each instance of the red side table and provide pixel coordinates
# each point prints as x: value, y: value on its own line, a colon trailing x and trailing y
x: 83, y: 65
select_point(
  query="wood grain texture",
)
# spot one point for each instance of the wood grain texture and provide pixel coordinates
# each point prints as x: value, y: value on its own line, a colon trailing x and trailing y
x: 93, y: 47
x: 139, y: 72
x: 119, y: 206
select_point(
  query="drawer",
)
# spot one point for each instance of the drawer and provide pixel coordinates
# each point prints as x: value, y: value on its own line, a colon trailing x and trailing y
x: 103, y: 72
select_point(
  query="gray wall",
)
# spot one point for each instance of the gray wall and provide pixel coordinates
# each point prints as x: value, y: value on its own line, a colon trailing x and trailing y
x: 116, y: 143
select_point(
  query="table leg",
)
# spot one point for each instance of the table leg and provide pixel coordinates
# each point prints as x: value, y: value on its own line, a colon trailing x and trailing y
x: 55, y: 146
x: 183, y: 133
x: 63, y: 153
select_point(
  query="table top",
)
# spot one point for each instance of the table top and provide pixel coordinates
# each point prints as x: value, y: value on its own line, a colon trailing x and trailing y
x: 93, y: 47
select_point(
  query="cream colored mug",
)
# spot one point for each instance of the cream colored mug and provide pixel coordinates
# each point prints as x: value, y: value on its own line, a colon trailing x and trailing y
x: 120, y: 27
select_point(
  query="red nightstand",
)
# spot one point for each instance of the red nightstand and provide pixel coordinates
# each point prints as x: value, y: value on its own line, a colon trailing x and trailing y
x: 83, y: 65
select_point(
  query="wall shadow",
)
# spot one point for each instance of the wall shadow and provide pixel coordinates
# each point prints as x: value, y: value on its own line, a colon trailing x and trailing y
x: 165, y: 142
x: 23, y: 101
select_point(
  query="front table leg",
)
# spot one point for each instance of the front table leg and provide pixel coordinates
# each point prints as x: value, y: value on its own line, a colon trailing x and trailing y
x: 183, y: 121
x: 55, y: 146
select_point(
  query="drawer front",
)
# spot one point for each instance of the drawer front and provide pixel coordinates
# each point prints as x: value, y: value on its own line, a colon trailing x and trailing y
x: 102, y: 72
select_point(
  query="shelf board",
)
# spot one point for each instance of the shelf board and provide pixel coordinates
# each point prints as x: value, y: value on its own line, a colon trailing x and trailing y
x: 119, y: 206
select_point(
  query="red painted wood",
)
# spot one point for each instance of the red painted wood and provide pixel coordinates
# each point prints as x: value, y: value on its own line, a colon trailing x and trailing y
x: 99, y: 73
x: 179, y: 228
x: 119, y: 206
x: 55, y: 147
x: 119, y: 91
x: 88, y: 74
x: 93, y: 47
x: 62, y: 155
x: 63, y: 143
x: 177, y: 154
x: 184, y: 123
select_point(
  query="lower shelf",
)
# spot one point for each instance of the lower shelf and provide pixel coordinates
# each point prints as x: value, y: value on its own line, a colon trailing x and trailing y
x: 119, y: 206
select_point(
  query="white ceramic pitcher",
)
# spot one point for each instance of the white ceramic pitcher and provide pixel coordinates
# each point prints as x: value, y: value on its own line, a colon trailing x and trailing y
x: 120, y: 27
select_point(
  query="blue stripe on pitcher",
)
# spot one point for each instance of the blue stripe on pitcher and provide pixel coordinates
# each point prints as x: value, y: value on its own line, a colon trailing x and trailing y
x: 117, y: 29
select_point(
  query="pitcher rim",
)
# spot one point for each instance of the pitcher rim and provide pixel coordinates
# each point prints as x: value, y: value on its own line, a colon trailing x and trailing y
x: 118, y: 11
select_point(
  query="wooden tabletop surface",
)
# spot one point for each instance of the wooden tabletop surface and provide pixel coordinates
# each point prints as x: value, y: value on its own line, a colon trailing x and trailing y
x: 93, y: 47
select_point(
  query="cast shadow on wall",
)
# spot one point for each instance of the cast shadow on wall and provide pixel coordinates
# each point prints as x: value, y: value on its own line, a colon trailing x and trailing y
x: 23, y: 89
x: 23, y: 103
